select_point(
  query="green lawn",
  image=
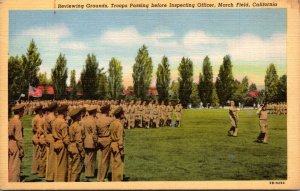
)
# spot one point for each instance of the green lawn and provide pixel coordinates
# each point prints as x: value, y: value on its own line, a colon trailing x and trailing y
x: 199, y: 150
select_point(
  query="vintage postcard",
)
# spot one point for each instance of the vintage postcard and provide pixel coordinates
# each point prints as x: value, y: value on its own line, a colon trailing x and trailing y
x: 149, y: 94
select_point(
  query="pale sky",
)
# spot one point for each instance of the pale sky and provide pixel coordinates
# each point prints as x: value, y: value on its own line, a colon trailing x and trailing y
x: 254, y: 38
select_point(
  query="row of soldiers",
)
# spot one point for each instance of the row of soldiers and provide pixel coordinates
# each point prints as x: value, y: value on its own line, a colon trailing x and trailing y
x: 65, y: 138
x: 136, y: 114
x: 277, y: 108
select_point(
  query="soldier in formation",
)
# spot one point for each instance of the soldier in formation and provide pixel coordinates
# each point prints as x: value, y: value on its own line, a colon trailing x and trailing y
x: 67, y: 135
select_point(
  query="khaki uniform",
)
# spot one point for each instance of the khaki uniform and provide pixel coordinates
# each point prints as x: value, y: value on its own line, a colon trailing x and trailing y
x: 155, y: 115
x: 41, y: 134
x: 104, y: 140
x: 131, y: 116
x: 233, y: 121
x: 15, y: 148
x: 170, y: 114
x: 178, y: 113
x: 37, y: 122
x: 117, y: 144
x: 61, y: 140
x: 76, y: 152
x: 90, y: 140
x: 50, y: 162
x: 263, y: 124
x: 146, y: 115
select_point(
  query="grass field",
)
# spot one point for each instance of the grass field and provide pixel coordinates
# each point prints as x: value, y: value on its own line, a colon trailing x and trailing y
x: 198, y: 150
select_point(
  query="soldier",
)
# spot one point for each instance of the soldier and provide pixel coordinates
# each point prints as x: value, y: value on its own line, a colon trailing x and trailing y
x: 233, y: 120
x: 90, y: 141
x: 146, y: 116
x: 37, y: 122
x: 117, y: 145
x: 178, y: 111
x: 50, y: 162
x: 103, y: 132
x: 263, y: 123
x: 169, y: 114
x: 163, y: 114
x: 61, y: 141
x: 41, y: 134
x: 15, y: 144
x: 75, y: 147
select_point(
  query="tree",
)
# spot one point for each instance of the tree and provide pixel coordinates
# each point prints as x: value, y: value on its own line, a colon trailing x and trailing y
x: 59, y: 77
x: 142, y: 73
x: 115, y: 78
x: 206, y: 82
x: 103, y: 88
x: 215, y: 98
x: 225, y: 81
x: 89, y: 77
x: 73, y: 85
x: 31, y: 66
x: 282, y: 89
x: 241, y: 90
x: 271, y: 84
x: 195, y: 100
x: 185, y: 80
x: 252, y: 87
x: 163, y: 79
x: 43, y: 78
x: 15, y: 78
x: 173, y: 93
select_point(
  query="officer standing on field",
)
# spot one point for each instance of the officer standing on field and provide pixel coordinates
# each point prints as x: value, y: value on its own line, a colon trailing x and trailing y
x: 233, y: 120
x: 263, y: 123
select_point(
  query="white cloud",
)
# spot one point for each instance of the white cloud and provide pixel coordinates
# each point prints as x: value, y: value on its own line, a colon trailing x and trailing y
x: 55, y: 32
x: 198, y: 38
x: 249, y: 47
x: 74, y: 45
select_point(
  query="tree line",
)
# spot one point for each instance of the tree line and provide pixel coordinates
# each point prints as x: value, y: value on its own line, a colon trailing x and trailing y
x: 96, y: 83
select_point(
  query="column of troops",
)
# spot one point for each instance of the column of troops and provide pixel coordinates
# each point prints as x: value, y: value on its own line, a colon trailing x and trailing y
x: 277, y: 108
x: 68, y: 135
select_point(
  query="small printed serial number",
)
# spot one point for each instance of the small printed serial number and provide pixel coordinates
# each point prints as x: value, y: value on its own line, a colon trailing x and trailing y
x: 277, y: 182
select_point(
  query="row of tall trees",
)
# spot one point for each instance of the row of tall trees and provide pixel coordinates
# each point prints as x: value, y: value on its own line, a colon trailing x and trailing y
x: 95, y: 83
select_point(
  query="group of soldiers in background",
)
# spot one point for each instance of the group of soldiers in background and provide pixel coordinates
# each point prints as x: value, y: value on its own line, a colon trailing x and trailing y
x: 65, y: 138
x: 67, y: 135
x: 277, y: 108
x: 136, y: 114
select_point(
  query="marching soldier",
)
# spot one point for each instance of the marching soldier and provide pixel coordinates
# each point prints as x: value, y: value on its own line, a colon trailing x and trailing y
x: 50, y: 162
x: 117, y: 145
x: 169, y: 114
x: 61, y: 140
x: 90, y: 141
x: 263, y: 123
x: 131, y: 115
x: 15, y: 144
x: 178, y: 112
x: 75, y: 147
x: 233, y: 120
x: 37, y: 123
x: 104, y: 140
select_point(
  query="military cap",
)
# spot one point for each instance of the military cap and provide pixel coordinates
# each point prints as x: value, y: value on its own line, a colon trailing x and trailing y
x: 105, y: 108
x: 118, y: 110
x: 18, y: 107
x: 76, y: 111
x: 37, y: 108
x: 91, y: 108
x: 52, y: 106
x: 62, y: 108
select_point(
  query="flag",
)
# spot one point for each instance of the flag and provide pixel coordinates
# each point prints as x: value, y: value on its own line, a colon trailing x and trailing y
x: 34, y: 92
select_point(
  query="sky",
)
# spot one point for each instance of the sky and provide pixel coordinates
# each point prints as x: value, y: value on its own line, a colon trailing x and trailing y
x: 253, y: 38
